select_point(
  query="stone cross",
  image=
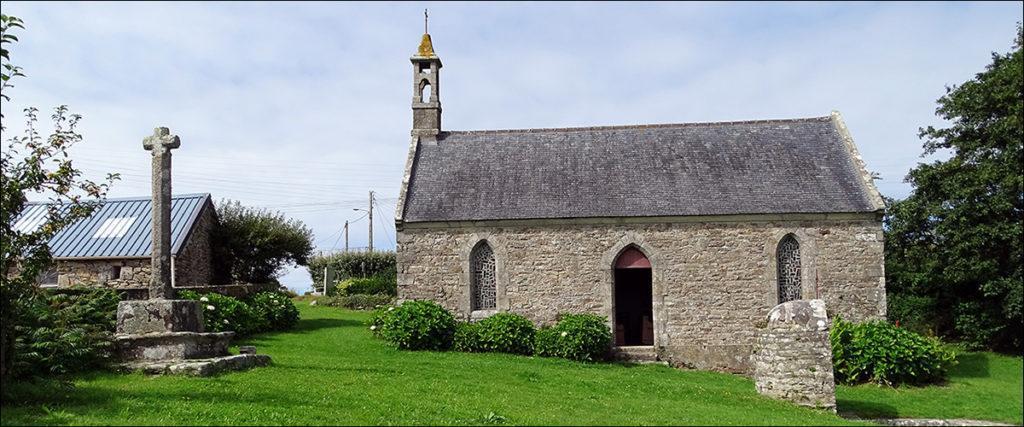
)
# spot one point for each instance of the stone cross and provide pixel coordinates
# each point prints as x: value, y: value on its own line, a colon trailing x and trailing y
x: 161, y: 143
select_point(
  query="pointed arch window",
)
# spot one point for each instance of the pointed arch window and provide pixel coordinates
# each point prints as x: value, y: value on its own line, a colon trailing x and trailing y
x: 483, y: 288
x: 788, y: 262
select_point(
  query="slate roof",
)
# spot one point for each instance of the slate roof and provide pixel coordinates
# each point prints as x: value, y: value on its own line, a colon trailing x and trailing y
x: 120, y: 228
x: 755, y: 167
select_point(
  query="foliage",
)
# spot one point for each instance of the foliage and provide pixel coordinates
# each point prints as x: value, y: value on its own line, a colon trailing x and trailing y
x: 882, y: 353
x: 374, y: 285
x: 37, y: 166
x: 583, y: 337
x: 347, y: 265
x: 467, y: 338
x: 917, y: 313
x: 254, y: 245
x: 957, y: 239
x: 71, y: 331
x: 225, y: 313
x: 507, y: 333
x: 277, y: 308
x: 357, y: 301
x: 418, y: 325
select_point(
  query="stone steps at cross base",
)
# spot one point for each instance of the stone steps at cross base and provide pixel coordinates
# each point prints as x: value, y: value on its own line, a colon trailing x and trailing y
x: 637, y: 354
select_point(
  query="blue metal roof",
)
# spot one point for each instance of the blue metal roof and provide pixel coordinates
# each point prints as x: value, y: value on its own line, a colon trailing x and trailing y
x: 120, y: 228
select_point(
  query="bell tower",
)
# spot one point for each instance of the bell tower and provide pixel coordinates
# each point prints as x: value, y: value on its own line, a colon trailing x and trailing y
x: 426, y: 99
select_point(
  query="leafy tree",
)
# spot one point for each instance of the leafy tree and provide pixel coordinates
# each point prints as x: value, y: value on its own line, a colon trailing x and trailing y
x: 254, y: 245
x: 955, y: 243
x: 37, y: 166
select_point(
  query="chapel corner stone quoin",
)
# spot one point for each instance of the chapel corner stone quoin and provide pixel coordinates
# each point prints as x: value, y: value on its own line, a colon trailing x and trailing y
x: 683, y: 235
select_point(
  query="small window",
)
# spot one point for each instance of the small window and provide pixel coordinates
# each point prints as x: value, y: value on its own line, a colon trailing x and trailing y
x: 48, y: 277
x: 115, y: 272
x: 425, y: 68
x: 788, y: 262
x: 425, y: 93
x: 483, y: 287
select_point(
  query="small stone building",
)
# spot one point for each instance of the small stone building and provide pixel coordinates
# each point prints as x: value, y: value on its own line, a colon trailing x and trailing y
x: 112, y: 247
x: 683, y: 235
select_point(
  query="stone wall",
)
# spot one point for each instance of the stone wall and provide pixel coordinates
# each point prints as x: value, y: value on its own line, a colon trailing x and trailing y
x: 194, y: 265
x: 134, y: 273
x: 793, y: 357
x: 713, y: 280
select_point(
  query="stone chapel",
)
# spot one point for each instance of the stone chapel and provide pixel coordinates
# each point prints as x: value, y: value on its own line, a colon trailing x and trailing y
x: 683, y: 235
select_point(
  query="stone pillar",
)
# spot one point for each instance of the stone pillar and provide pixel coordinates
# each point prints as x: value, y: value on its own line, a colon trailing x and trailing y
x: 160, y: 144
x: 793, y: 356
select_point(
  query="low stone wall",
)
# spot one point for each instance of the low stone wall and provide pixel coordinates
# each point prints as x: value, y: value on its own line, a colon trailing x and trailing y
x: 793, y: 355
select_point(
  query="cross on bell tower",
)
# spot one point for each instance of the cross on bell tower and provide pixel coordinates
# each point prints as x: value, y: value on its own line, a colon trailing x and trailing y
x: 426, y: 99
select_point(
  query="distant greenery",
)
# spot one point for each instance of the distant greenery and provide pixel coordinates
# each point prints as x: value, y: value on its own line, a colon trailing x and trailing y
x: 348, y: 377
x: 365, y: 272
x: 882, y: 353
x: 954, y: 246
x: 254, y: 245
x: 357, y: 301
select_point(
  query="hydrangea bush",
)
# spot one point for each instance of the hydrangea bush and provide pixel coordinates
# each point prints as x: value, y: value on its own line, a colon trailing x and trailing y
x: 416, y: 325
x: 583, y: 337
x: 279, y: 310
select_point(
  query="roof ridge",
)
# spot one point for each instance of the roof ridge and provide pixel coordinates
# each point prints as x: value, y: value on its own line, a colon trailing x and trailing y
x: 132, y: 199
x: 642, y: 126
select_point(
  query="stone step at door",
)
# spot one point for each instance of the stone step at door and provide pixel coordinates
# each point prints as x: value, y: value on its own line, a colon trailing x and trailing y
x: 637, y: 354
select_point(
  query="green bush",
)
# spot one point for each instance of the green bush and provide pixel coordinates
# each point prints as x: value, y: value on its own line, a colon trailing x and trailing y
x: 375, y: 285
x: 467, y: 337
x: 883, y: 353
x: 914, y: 312
x: 223, y: 313
x: 417, y: 325
x: 72, y: 331
x: 507, y: 333
x: 276, y: 308
x: 583, y: 337
x: 346, y: 265
x: 357, y: 302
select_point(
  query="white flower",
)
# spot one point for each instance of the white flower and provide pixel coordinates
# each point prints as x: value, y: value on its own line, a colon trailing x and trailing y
x: 226, y: 321
x: 565, y: 333
x: 373, y: 327
x: 210, y: 307
x: 204, y: 299
x: 391, y: 308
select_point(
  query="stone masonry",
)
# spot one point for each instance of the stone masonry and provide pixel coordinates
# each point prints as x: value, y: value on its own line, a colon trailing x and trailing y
x: 714, y: 278
x: 793, y: 357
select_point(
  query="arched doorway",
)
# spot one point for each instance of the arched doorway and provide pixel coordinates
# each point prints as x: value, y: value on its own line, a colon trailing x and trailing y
x: 634, y: 318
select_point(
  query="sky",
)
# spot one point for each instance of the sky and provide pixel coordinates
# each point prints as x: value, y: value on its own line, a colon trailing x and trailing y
x: 305, y: 107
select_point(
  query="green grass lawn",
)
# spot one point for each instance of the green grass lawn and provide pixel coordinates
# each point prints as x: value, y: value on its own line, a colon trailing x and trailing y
x: 331, y: 371
x: 983, y: 386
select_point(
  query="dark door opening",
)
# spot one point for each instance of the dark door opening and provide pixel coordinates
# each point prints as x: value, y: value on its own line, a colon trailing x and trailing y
x: 634, y: 320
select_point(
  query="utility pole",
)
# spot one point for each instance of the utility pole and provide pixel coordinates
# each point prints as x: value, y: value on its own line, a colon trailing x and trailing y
x: 371, y: 221
x: 346, y: 236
